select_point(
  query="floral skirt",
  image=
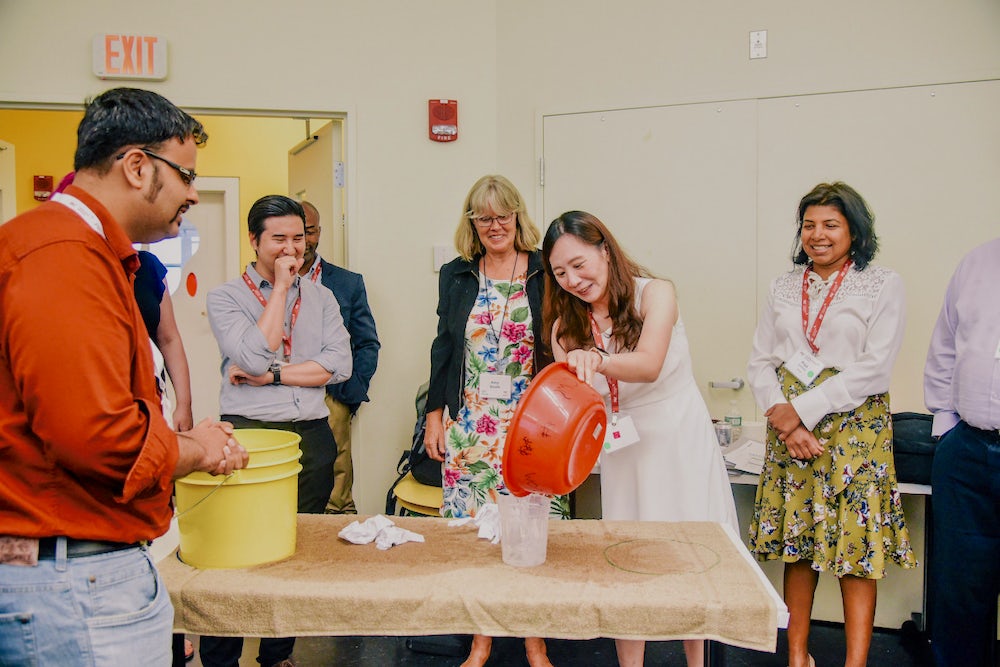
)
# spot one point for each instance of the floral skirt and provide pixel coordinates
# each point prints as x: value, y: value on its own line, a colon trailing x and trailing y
x: 473, y: 474
x: 842, y: 510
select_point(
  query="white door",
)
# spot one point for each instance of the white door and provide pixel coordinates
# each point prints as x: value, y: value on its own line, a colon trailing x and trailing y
x: 672, y: 185
x: 316, y: 175
x: 216, y: 260
x: 8, y: 191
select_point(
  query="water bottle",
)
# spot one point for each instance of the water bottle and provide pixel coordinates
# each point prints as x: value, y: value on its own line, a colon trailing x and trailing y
x: 735, y: 420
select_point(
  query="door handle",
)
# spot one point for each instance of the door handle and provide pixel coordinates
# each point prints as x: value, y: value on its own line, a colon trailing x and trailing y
x: 735, y: 383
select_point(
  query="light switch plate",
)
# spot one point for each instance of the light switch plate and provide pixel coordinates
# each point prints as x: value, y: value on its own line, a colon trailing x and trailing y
x: 442, y: 255
x: 758, y: 44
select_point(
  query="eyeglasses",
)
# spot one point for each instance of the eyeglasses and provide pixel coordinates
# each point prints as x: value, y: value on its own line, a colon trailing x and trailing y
x: 486, y: 221
x: 187, y: 175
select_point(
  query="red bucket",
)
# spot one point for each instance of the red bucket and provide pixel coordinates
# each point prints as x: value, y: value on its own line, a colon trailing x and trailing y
x: 555, y: 435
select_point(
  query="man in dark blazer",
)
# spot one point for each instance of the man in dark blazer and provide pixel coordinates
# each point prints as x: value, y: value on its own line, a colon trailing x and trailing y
x: 345, y: 398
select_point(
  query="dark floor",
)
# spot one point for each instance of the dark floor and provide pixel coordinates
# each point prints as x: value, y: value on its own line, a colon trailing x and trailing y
x: 889, y: 649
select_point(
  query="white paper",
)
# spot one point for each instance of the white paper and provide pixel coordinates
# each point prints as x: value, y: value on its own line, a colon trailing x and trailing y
x: 488, y: 521
x: 380, y: 530
x: 748, y: 457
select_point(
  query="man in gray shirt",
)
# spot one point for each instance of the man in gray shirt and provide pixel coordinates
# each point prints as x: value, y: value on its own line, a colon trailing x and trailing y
x: 282, y: 341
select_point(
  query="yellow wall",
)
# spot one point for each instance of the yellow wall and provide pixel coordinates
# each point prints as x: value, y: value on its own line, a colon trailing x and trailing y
x: 43, y: 143
x: 253, y: 149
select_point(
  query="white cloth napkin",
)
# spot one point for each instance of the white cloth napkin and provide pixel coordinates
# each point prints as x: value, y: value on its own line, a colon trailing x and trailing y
x: 488, y: 520
x: 380, y: 530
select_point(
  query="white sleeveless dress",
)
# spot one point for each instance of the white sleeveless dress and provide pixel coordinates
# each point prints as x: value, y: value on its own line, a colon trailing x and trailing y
x: 676, y: 471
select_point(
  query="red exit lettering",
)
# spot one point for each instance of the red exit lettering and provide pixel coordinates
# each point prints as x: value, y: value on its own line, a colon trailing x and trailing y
x: 130, y: 54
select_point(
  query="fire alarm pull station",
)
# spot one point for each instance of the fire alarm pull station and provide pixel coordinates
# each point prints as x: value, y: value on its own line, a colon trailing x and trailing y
x: 43, y: 187
x: 442, y: 117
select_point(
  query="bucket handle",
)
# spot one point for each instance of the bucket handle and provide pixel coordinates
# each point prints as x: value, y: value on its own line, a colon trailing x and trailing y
x: 207, y: 495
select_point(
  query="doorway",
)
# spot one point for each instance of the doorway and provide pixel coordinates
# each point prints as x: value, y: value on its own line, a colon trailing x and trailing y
x: 246, y: 157
x: 8, y: 191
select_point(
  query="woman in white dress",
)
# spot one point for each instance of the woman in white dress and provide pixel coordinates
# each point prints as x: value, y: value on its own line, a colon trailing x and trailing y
x: 619, y: 328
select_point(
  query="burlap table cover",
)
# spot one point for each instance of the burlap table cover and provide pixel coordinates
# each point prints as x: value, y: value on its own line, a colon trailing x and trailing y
x: 643, y: 580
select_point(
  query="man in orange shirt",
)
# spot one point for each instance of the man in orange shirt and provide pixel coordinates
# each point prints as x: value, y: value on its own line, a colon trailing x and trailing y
x: 87, y: 460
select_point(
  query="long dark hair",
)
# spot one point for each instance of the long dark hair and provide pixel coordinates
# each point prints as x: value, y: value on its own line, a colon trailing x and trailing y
x: 571, y: 311
x: 860, y: 221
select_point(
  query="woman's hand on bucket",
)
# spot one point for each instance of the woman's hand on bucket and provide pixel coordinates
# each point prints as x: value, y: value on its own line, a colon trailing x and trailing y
x: 585, y: 363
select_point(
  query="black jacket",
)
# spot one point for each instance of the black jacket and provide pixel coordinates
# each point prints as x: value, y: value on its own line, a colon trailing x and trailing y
x: 458, y: 286
x: 349, y: 288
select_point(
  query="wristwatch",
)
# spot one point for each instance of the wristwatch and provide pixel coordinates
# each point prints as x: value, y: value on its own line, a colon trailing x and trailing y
x: 276, y: 372
x: 604, y: 354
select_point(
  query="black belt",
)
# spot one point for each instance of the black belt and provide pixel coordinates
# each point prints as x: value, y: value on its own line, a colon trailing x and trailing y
x: 80, y: 548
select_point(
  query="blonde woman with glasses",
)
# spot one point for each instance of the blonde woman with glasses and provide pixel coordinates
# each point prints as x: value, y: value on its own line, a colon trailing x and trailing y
x: 485, y: 353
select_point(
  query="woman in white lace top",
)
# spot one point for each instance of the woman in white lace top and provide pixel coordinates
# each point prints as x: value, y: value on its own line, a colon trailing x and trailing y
x: 822, y: 357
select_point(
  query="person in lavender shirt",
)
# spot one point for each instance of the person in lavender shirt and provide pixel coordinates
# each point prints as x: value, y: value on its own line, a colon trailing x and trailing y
x: 962, y: 390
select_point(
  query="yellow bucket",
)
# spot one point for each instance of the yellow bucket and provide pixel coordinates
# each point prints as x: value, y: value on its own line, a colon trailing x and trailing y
x: 249, y: 517
x: 267, y: 446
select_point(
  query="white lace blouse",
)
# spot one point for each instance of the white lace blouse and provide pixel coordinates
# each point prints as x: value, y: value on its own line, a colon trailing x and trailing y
x: 860, y: 336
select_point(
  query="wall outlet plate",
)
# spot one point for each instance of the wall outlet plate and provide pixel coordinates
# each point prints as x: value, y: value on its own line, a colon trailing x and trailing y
x: 758, y: 44
x: 442, y: 255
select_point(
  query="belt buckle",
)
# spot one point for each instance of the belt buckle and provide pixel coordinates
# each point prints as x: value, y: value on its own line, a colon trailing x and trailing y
x: 18, y: 550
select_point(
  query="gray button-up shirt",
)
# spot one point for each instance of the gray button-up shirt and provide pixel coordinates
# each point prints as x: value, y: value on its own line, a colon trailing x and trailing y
x: 319, y: 335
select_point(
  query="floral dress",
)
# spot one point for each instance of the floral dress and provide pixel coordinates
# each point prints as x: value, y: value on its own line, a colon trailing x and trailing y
x: 842, y: 510
x: 498, y: 339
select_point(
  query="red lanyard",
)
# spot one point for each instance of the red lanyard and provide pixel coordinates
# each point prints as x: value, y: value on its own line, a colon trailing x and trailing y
x: 811, y: 333
x: 612, y: 383
x: 286, y: 340
x: 315, y: 273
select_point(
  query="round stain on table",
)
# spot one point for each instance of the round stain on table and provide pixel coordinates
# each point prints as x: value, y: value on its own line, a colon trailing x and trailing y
x: 649, y: 556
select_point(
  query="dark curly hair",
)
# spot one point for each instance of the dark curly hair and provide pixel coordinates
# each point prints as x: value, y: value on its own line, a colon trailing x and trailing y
x: 123, y: 117
x: 860, y: 220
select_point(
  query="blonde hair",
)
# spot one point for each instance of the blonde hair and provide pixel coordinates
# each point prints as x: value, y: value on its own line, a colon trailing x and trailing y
x: 494, y: 193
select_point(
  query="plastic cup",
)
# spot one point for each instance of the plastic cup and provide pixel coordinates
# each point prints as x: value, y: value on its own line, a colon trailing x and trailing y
x: 524, y: 529
x: 724, y: 432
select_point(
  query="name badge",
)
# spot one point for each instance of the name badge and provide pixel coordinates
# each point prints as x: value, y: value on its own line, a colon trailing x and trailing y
x: 620, y: 435
x: 495, y: 385
x: 805, y: 366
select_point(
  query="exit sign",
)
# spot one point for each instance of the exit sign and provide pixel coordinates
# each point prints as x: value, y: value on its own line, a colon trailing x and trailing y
x: 130, y: 57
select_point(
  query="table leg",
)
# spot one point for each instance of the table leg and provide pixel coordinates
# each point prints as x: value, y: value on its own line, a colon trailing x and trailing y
x: 715, y: 654
x: 925, y: 620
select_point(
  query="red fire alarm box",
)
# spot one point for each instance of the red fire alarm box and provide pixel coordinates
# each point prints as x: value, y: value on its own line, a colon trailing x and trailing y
x: 442, y: 118
x: 43, y: 187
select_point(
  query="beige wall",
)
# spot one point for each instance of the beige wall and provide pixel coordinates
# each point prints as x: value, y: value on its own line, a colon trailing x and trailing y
x: 507, y: 62
x: 377, y: 61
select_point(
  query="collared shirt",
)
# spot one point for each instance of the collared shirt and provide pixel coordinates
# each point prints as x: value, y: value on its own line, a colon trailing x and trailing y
x: 860, y: 337
x: 962, y: 373
x: 84, y: 449
x: 319, y: 335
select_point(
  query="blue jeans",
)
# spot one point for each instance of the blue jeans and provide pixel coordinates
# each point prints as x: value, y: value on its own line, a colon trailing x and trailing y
x: 965, y: 558
x: 96, y: 611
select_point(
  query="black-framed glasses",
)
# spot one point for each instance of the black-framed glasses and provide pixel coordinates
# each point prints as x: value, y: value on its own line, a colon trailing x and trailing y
x: 187, y: 175
x: 486, y: 221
